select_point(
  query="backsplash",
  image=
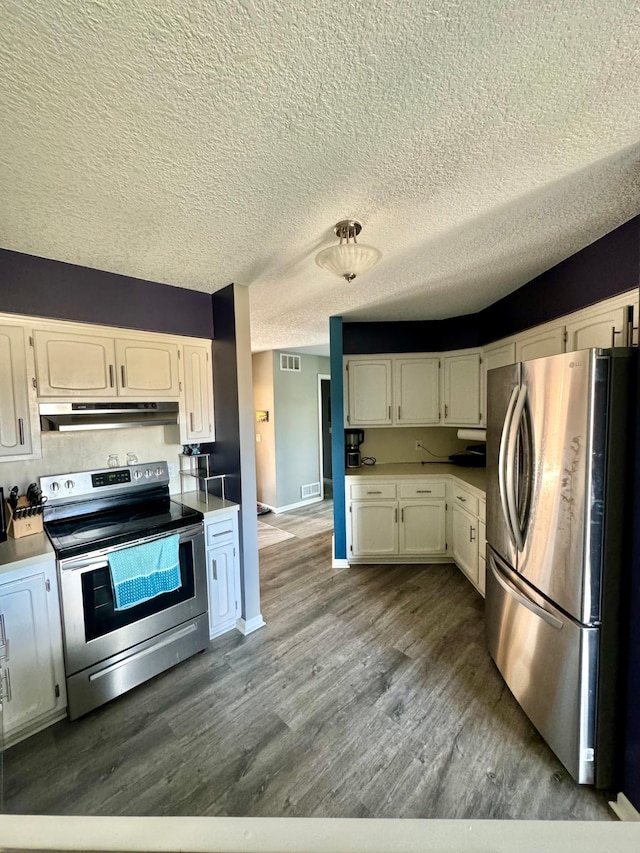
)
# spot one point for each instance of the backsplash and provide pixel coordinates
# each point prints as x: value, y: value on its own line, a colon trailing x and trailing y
x: 397, y: 444
x: 64, y: 453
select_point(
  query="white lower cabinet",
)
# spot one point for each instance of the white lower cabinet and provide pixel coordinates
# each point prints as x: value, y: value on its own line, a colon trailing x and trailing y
x: 464, y: 542
x: 32, y: 684
x: 423, y: 527
x: 223, y: 572
x: 374, y: 528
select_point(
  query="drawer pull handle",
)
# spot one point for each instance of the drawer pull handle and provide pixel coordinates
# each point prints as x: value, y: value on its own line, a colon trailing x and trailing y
x: 374, y: 493
x: 472, y: 531
x: 460, y: 498
x: 222, y: 533
x: 423, y: 491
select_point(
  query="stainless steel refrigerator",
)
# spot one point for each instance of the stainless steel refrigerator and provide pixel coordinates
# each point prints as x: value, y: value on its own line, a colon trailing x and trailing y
x: 559, y: 480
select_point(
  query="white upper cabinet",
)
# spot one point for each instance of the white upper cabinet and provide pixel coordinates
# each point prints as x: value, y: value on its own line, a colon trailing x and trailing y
x: 417, y: 391
x: 496, y: 355
x: 369, y: 392
x: 197, y: 420
x: 547, y: 340
x: 461, y: 388
x: 598, y: 328
x: 15, y: 425
x: 69, y: 364
x: 147, y: 368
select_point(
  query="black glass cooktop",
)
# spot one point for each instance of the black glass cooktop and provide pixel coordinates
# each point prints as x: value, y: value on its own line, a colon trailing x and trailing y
x: 118, y: 525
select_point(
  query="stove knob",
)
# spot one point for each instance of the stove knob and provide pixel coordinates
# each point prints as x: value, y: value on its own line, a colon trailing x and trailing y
x: 148, y: 472
x: 159, y: 472
x: 137, y: 475
x: 69, y: 484
x: 54, y: 487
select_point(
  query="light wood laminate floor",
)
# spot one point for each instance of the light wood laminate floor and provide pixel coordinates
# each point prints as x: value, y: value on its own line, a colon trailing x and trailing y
x: 368, y: 694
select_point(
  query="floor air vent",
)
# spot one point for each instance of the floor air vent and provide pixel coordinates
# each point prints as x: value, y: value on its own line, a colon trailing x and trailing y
x: 289, y: 362
x: 311, y: 490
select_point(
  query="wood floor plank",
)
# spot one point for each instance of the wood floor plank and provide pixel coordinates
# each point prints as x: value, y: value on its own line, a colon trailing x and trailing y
x: 369, y: 693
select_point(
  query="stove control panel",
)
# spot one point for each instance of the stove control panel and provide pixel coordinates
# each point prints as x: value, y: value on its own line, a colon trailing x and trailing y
x: 83, y: 484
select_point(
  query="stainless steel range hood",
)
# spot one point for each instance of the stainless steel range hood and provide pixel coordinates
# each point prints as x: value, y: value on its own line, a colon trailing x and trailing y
x: 71, y: 417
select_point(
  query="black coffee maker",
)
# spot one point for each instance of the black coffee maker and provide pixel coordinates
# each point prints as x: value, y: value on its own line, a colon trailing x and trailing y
x: 353, y: 438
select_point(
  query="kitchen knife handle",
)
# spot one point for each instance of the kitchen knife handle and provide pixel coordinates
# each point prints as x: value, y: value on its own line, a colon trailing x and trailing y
x: 112, y: 377
x: 123, y: 375
x: 21, y: 430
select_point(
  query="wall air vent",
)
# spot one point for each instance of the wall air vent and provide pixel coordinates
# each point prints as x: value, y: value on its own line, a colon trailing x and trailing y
x: 311, y: 490
x: 290, y: 362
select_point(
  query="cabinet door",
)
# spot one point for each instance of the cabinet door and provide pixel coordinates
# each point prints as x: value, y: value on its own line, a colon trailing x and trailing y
x: 462, y: 389
x: 464, y: 529
x: 417, y: 391
x: 147, y: 368
x: 26, y: 654
x: 15, y: 424
x: 223, y: 588
x: 492, y: 357
x: 374, y: 528
x: 369, y: 392
x: 423, y: 527
x: 540, y: 344
x: 70, y: 365
x: 603, y: 329
x: 198, y: 395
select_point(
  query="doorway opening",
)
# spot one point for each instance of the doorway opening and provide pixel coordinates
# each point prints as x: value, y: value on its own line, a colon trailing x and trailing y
x: 324, y: 412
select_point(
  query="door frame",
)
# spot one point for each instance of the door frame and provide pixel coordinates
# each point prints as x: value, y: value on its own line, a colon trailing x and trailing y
x: 321, y: 376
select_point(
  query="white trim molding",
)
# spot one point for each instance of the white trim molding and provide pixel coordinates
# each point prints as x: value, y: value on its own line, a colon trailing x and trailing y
x: 335, y: 563
x: 623, y: 808
x: 248, y: 627
x: 279, y: 509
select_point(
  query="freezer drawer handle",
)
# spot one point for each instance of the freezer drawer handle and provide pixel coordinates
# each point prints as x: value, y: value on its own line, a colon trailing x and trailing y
x: 523, y: 600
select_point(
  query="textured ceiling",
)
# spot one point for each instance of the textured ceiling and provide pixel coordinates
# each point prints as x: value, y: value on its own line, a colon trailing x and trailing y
x: 479, y: 142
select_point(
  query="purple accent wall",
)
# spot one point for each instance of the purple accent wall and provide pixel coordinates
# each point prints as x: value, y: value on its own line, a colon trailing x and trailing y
x: 226, y: 448
x: 411, y: 336
x: 61, y: 291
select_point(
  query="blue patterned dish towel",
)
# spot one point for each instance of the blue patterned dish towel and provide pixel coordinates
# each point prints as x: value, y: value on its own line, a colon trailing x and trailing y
x: 144, y: 571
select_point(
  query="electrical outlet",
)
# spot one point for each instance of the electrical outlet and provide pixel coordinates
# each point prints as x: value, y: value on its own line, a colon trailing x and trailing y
x: 258, y: 437
x: 171, y: 468
x: 418, y: 444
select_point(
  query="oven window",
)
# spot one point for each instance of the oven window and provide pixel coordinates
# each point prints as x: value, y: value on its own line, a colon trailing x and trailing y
x: 100, y: 616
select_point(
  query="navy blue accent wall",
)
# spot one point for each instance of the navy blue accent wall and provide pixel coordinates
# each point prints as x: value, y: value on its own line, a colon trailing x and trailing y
x: 226, y: 449
x: 605, y: 268
x: 411, y: 336
x: 60, y: 291
x: 337, y: 438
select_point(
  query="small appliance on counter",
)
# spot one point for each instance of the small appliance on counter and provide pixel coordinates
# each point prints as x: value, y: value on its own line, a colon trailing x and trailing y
x: 473, y: 456
x: 353, y: 438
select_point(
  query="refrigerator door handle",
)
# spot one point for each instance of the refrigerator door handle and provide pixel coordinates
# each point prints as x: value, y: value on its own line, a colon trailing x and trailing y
x: 510, y: 474
x: 515, y: 593
x: 502, y: 462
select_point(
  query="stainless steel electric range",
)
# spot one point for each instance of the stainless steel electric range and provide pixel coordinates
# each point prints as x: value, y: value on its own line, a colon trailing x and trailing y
x: 90, y: 515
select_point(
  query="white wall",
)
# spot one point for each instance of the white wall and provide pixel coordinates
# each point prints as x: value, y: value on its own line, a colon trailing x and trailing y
x: 64, y: 452
x: 397, y: 444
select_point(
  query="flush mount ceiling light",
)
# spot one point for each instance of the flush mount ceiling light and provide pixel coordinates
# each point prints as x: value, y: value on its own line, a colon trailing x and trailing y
x: 349, y: 258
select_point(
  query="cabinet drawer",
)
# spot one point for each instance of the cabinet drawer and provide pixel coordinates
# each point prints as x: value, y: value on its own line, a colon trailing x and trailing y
x: 373, y: 491
x: 219, y: 531
x: 464, y: 499
x: 426, y: 489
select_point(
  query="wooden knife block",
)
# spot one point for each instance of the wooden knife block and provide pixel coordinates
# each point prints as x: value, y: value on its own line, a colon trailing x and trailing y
x: 19, y: 527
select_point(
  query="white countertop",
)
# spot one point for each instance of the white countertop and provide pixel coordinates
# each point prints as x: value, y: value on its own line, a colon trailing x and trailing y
x: 215, y: 506
x: 474, y: 477
x: 20, y: 553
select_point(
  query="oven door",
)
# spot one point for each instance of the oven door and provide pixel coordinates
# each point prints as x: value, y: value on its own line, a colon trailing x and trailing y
x: 94, y: 631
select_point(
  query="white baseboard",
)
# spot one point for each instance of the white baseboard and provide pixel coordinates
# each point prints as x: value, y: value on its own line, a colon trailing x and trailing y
x: 278, y: 509
x: 248, y: 627
x: 335, y: 563
x: 623, y: 808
